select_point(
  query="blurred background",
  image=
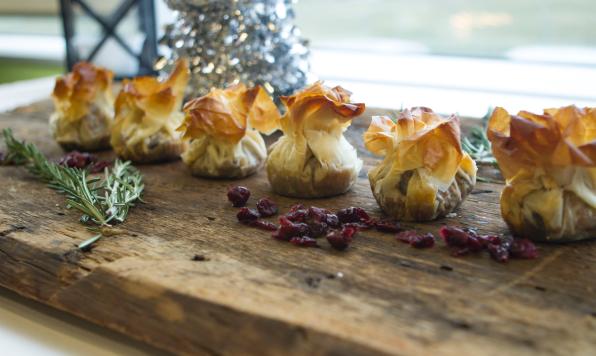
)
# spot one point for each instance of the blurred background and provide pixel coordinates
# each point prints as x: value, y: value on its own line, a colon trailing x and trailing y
x: 453, y: 55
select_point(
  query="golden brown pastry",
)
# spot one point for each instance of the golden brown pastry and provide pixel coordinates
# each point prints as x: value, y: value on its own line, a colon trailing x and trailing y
x: 313, y: 158
x: 147, y: 115
x: 83, y: 108
x: 223, y: 128
x: 425, y: 174
x: 549, y: 163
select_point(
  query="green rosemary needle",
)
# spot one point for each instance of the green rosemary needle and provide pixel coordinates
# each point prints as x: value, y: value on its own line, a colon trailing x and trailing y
x: 101, y: 201
x: 477, y: 145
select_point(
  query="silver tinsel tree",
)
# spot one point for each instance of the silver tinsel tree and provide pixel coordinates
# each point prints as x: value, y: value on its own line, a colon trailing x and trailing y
x: 231, y: 41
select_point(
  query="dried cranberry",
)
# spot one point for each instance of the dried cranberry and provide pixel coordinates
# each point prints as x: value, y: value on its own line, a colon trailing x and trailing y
x: 304, y: 241
x: 317, y: 229
x: 406, y: 236
x: 296, y: 207
x: 238, y: 196
x: 267, y: 207
x: 352, y: 215
x: 263, y: 225
x: 489, y: 240
x: 415, y: 239
x: 423, y: 241
x: 454, y: 236
x: 297, y: 213
x: 358, y: 225
x: 99, y: 166
x: 474, y: 243
x: 499, y: 252
x: 523, y: 248
x: 341, y: 239
x: 76, y: 159
x: 332, y: 220
x: 247, y: 216
x: 318, y: 214
x: 288, y: 229
x: 388, y: 226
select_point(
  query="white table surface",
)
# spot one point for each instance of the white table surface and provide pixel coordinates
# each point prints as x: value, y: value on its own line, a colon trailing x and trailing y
x: 30, y: 328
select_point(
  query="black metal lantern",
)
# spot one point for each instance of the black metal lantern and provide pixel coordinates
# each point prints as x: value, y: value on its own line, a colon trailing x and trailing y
x: 117, y: 34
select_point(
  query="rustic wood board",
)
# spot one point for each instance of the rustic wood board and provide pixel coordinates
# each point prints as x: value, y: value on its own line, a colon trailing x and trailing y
x: 254, y: 295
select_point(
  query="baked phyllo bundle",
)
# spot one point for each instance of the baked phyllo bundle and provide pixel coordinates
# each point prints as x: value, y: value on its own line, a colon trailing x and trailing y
x: 313, y: 158
x: 83, y: 108
x: 223, y: 128
x: 549, y: 163
x: 425, y: 174
x: 147, y: 116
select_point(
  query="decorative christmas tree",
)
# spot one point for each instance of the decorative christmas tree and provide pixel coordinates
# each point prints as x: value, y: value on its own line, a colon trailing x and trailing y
x: 231, y: 41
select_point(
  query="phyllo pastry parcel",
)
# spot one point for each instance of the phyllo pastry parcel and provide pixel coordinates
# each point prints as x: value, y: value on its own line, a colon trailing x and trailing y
x: 83, y: 108
x: 224, y: 131
x: 425, y: 174
x: 549, y: 163
x: 147, y: 115
x: 313, y: 158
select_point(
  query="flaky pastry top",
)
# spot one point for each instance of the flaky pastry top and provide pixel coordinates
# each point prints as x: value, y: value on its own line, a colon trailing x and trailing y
x: 319, y: 108
x: 420, y: 138
x: 74, y: 92
x: 149, y: 104
x: 226, y: 114
x: 557, y: 138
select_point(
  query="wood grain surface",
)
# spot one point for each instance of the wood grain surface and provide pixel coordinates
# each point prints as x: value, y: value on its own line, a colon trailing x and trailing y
x: 255, y: 295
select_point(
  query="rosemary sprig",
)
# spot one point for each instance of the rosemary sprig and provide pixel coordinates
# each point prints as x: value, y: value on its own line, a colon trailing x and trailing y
x: 477, y: 145
x: 123, y: 186
x: 101, y: 201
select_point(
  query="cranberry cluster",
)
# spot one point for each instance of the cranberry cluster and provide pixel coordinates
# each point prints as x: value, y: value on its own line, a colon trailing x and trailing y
x: 303, y: 227
x: 465, y: 241
x: 76, y: 159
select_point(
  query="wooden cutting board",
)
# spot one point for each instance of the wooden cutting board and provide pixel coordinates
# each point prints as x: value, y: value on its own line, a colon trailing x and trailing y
x: 255, y: 295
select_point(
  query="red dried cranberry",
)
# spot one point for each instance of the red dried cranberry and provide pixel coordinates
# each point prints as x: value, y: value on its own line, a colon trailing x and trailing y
x: 474, y: 244
x: 296, y: 207
x: 423, y: 241
x: 352, y: 215
x: 454, y: 236
x: 317, y: 220
x: 238, y: 196
x: 99, y: 166
x: 357, y: 226
x: 304, y: 241
x: 523, y: 248
x: 317, y: 229
x: 318, y: 214
x: 247, y: 216
x: 332, y: 220
x: 288, y: 229
x: 76, y: 159
x: 406, y: 236
x: 263, y: 225
x: 489, y: 240
x: 415, y: 239
x: 341, y: 239
x: 297, y: 213
x: 267, y: 207
x: 499, y: 253
x: 388, y: 226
